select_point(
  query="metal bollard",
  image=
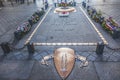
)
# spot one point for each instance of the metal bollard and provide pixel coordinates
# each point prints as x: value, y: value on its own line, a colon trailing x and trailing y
x: 74, y: 3
x: 5, y: 47
x: 55, y: 4
x: 46, y: 5
x: 31, y: 49
x: 100, y: 48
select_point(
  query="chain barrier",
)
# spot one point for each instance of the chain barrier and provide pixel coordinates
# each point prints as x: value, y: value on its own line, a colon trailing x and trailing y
x: 18, y: 49
x: 111, y: 48
x: 12, y: 45
x: 13, y: 48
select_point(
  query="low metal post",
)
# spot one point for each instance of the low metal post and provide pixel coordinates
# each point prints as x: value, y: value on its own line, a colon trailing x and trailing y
x: 46, y: 5
x: 31, y: 50
x: 100, y: 48
x: 55, y: 4
x: 5, y: 47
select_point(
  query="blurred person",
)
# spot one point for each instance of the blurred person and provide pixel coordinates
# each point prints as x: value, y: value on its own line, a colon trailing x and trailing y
x: 11, y: 1
x: 34, y: 1
x: 1, y: 3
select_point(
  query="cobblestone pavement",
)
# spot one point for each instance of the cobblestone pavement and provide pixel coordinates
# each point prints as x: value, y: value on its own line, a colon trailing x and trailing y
x: 16, y: 66
x: 101, y: 67
x: 11, y: 17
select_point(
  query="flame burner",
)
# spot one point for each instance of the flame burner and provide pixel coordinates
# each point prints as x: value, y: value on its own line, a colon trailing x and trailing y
x: 64, y: 11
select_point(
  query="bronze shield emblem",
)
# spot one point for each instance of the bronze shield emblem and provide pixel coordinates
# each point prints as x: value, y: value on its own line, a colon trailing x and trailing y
x: 64, y: 59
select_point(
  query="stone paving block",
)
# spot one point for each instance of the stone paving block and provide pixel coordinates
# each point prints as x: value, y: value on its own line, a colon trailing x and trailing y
x: 43, y: 72
x: 21, y: 55
x: 10, y: 56
x: 85, y: 54
x: 15, y: 70
x: 115, y: 56
x: 91, y: 58
x: 85, y: 73
x: 37, y: 56
x: 102, y: 58
x: 11, y: 17
x: 108, y: 70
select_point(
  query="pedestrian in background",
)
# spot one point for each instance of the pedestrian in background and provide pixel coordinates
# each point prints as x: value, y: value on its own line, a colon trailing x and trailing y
x: 1, y: 3
x: 88, y: 1
x: 55, y: 3
x: 34, y: 1
x: 22, y: 1
x: 16, y: 1
x: 27, y: 2
x: 11, y: 2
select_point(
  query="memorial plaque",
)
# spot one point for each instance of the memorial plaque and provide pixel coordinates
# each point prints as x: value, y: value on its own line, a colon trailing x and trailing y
x: 64, y: 59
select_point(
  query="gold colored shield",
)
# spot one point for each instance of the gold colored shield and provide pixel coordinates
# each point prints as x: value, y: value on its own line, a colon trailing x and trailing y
x: 64, y: 59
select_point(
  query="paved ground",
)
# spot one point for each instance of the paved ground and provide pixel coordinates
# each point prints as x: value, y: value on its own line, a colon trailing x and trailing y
x: 75, y: 28
x: 11, y: 17
x: 33, y: 70
x: 15, y: 65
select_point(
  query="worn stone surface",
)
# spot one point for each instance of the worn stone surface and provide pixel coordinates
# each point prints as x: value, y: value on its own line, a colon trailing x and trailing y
x: 101, y: 67
x: 11, y: 17
x: 108, y: 70
x: 42, y: 72
x: 85, y: 73
x: 15, y: 70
